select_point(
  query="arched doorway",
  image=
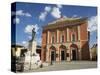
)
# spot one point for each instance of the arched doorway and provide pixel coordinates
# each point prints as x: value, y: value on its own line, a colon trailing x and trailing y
x: 74, y: 52
x: 53, y: 57
x: 53, y: 53
x: 63, y: 52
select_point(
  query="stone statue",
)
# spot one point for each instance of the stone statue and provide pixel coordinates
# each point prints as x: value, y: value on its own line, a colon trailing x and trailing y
x: 33, y: 34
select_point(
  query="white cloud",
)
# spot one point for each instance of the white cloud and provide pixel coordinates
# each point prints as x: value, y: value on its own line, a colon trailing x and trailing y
x: 25, y: 43
x: 28, y: 15
x: 56, y: 13
x: 28, y: 28
x: 43, y: 16
x: 74, y: 16
x: 65, y: 16
x: 59, y: 6
x: 47, y: 9
x: 21, y: 13
x: 16, y: 20
x: 92, y: 24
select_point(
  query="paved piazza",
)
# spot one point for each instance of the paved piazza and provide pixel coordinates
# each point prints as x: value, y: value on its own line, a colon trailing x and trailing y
x: 68, y: 66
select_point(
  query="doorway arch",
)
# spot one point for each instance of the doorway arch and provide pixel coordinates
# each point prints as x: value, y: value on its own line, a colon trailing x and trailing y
x: 62, y: 52
x: 74, y: 52
x: 53, y: 53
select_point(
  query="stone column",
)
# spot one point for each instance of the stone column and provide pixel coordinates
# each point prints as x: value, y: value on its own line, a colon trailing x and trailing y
x: 78, y: 32
x: 57, y: 35
x: 57, y: 52
x: 79, y: 50
x: 48, y: 54
x: 79, y: 54
x: 34, y: 47
x: 67, y: 34
x: 48, y: 37
x: 42, y: 54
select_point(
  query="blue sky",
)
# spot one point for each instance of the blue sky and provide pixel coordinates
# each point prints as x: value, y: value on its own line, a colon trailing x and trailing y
x: 30, y: 15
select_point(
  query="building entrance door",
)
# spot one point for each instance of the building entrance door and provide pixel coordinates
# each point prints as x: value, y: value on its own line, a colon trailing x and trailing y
x: 73, y: 54
x: 62, y: 55
x: 53, y: 56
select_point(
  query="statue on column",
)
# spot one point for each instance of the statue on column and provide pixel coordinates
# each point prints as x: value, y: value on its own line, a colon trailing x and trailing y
x: 33, y: 43
x: 32, y: 57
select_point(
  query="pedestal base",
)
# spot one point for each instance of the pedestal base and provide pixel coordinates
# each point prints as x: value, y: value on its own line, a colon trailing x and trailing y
x: 32, y: 61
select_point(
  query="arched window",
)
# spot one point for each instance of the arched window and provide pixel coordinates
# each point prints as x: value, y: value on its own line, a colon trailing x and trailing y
x: 62, y: 38
x: 73, y: 37
x: 52, y: 39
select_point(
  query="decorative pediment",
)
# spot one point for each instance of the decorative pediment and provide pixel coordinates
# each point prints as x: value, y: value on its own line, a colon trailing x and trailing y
x: 65, y: 22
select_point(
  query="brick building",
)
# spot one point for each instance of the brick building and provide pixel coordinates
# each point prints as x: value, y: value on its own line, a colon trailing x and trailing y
x: 65, y: 39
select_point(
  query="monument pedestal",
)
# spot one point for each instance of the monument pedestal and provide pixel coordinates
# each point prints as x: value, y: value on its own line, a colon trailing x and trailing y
x: 32, y: 59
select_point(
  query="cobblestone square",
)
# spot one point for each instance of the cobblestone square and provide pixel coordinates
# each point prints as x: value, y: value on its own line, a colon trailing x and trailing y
x: 72, y: 65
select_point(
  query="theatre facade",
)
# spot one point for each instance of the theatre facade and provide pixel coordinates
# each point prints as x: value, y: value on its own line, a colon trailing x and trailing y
x: 65, y: 39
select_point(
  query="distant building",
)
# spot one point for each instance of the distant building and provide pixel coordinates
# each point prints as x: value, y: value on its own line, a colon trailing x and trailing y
x: 65, y: 39
x: 17, y: 50
x: 18, y: 56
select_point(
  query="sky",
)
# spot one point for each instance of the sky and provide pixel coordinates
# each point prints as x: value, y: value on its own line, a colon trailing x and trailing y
x: 29, y: 15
